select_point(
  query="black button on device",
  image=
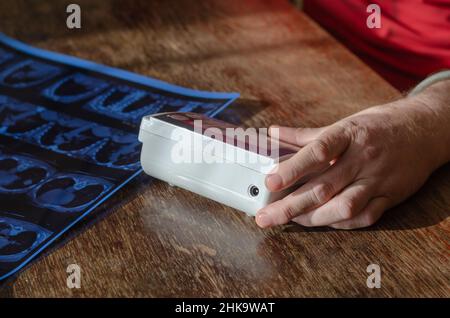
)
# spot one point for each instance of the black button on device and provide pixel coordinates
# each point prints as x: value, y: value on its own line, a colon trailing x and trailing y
x: 253, y: 190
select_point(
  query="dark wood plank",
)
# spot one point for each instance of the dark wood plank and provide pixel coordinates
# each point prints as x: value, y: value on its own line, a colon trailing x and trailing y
x: 154, y: 240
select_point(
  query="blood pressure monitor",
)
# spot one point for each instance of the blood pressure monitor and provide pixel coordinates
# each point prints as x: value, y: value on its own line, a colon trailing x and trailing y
x: 212, y: 158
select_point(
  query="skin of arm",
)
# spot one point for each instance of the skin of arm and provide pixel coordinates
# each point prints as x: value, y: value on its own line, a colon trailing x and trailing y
x: 371, y: 161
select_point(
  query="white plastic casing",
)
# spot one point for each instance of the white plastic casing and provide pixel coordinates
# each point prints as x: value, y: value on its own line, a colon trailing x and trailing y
x: 227, y: 182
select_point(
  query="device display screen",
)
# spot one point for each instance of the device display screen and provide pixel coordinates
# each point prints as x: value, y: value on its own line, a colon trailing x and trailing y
x: 250, y: 140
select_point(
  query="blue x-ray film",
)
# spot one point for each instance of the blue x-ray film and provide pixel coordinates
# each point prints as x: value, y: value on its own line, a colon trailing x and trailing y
x: 68, y: 140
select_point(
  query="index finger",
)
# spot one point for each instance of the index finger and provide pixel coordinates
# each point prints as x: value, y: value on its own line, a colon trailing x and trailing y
x: 312, y: 158
x: 296, y: 136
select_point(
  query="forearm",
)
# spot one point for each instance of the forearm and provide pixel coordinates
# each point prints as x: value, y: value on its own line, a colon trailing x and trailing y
x: 435, y: 104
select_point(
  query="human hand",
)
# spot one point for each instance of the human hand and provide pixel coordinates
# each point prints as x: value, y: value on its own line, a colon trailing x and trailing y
x: 378, y: 157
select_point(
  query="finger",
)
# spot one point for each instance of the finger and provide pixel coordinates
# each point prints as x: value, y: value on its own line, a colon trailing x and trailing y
x: 368, y: 216
x: 330, y: 145
x: 344, y: 206
x: 314, y: 193
x: 296, y: 136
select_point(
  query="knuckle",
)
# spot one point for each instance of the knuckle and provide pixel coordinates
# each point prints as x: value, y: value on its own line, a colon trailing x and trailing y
x: 360, y: 133
x: 353, y: 127
x: 372, y: 152
x: 347, y: 209
x: 320, y: 151
x: 353, y: 123
x: 364, y: 137
x: 291, y: 172
x: 288, y: 213
x: 322, y: 192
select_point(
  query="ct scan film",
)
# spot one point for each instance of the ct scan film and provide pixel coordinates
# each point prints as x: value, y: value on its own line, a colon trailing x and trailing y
x: 68, y: 140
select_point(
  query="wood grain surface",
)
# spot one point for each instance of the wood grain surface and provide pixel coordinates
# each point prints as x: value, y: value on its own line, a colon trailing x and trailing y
x: 154, y: 240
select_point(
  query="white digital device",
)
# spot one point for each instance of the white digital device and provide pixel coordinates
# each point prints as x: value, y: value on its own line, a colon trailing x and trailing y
x: 212, y: 158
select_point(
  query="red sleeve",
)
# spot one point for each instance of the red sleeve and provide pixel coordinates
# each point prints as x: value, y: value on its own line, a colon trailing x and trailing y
x: 413, y: 41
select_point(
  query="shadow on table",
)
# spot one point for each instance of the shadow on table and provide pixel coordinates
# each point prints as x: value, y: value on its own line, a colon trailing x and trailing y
x: 428, y: 207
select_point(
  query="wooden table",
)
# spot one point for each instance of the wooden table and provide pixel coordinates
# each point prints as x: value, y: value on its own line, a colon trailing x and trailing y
x: 154, y: 240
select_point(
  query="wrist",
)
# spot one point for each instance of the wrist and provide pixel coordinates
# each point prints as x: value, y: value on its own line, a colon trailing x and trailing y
x: 432, y: 113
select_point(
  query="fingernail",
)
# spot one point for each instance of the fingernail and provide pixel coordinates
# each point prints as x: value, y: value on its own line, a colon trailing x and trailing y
x: 263, y: 220
x: 273, y: 182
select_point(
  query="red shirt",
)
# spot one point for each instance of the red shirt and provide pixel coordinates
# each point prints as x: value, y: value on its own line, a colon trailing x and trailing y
x: 413, y: 41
